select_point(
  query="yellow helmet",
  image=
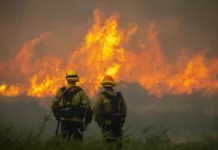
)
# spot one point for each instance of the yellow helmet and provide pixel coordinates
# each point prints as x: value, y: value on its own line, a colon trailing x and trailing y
x: 108, y: 81
x: 72, y: 76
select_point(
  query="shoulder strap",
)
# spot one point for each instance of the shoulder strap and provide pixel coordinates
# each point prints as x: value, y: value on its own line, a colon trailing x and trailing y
x: 64, y: 92
x: 71, y: 94
x: 63, y: 89
x: 77, y: 90
x: 107, y: 95
x: 119, y: 94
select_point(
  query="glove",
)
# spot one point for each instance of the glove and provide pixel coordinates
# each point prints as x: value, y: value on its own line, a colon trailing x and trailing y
x: 57, y: 118
x: 56, y: 113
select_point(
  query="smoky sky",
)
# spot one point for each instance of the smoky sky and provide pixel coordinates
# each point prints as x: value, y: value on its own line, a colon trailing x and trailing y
x: 196, y: 20
x: 191, y: 24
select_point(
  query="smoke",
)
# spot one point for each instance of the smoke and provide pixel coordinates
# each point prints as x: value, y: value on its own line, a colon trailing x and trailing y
x: 181, y: 24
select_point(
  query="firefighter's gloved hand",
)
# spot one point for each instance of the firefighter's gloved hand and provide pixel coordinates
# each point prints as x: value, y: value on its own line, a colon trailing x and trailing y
x: 56, y: 114
x: 57, y: 117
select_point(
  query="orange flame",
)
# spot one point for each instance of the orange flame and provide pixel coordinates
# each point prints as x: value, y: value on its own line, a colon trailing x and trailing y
x: 103, y: 53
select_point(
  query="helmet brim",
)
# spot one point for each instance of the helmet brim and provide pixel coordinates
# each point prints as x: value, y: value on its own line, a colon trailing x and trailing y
x: 72, y: 79
x: 108, y: 84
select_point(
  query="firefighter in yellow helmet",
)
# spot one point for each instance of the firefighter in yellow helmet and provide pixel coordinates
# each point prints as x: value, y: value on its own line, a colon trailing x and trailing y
x: 109, y: 111
x: 72, y: 107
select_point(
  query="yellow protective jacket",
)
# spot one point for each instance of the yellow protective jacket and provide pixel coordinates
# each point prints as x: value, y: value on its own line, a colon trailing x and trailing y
x: 101, y: 101
x: 79, y: 97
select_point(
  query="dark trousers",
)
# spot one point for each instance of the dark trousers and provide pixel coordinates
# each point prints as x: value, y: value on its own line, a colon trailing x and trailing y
x: 113, y: 133
x: 71, y: 130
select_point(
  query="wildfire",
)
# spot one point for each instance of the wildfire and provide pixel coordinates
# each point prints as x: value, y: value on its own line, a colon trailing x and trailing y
x: 103, y: 53
x: 11, y: 91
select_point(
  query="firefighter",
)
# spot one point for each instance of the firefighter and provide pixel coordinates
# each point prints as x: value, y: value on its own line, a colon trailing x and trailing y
x: 72, y: 107
x: 109, y: 111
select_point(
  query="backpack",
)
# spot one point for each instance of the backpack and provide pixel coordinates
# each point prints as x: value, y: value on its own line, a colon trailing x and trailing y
x: 112, y: 110
x: 68, y: 110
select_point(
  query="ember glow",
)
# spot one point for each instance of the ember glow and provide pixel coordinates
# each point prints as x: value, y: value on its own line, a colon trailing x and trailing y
x: 103, y: 53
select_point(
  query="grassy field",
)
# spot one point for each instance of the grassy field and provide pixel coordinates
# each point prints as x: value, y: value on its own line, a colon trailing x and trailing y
x: 154, y: 142
x: 190, y: 127
x: 145, y: 141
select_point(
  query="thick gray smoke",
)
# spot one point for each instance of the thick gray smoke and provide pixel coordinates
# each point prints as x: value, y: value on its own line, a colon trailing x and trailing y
x: 182, y: 24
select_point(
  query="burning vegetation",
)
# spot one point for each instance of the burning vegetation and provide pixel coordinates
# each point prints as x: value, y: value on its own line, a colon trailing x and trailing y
x: 103, y: 53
